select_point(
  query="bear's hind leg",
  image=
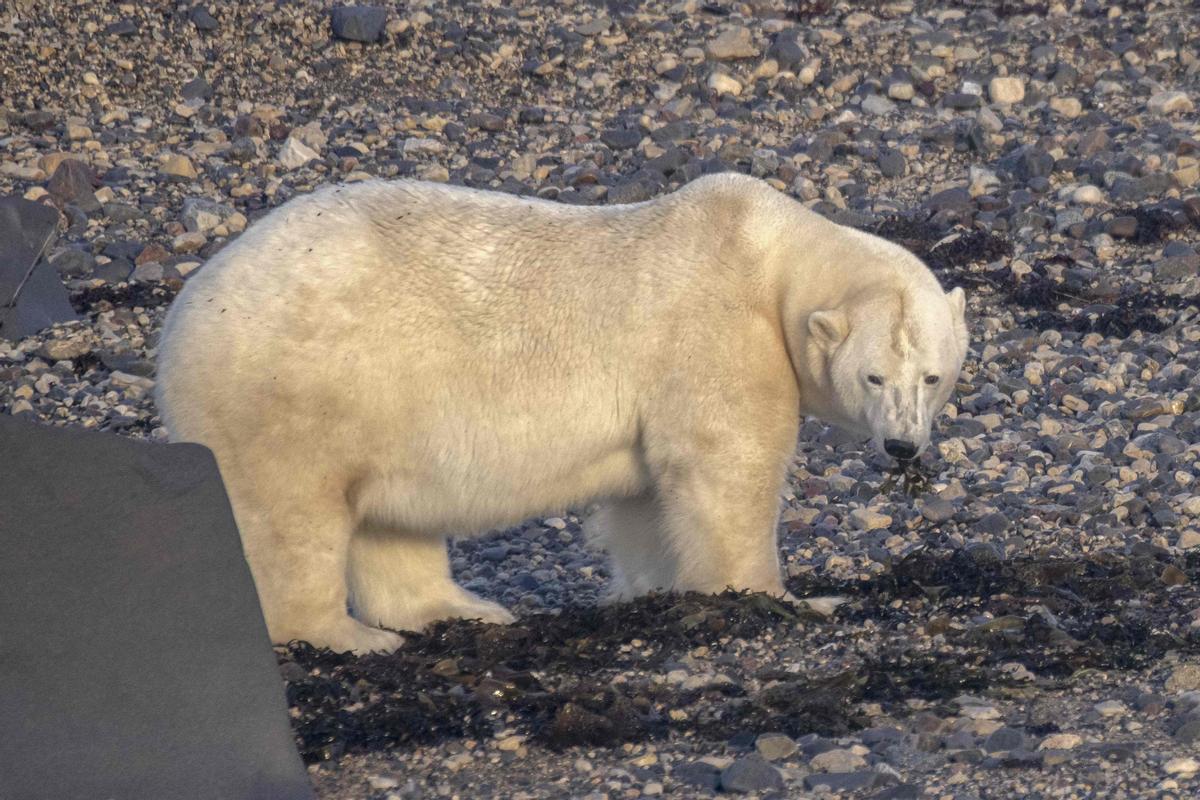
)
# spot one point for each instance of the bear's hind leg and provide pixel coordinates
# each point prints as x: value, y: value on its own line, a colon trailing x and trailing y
x: 631, y: 529
x: 402, y: 580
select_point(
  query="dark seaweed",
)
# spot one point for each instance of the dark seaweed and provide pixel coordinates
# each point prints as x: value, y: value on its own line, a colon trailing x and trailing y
x: 552, y: 674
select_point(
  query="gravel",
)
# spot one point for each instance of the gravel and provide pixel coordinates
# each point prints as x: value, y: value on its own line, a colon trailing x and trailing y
x: 1025, y: 622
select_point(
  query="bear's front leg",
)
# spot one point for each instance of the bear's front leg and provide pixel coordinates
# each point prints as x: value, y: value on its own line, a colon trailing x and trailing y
x: 720, y: 511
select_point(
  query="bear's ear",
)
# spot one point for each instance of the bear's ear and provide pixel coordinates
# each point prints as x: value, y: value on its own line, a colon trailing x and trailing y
x: 828, y: 327
x: 958, y: 302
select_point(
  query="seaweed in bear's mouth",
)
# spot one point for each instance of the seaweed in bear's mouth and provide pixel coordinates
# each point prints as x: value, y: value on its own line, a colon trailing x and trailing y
x: 909, y: 475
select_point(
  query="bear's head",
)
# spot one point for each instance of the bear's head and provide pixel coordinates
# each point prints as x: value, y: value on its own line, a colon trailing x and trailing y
x: 890, y: 360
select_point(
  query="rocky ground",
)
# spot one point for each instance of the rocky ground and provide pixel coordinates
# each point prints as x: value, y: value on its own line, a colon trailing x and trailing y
x: 1025, y: 624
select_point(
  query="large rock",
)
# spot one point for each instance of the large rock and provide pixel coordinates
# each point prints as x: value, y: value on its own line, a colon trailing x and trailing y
x: 358, y: 23
x: 138, y: 665
x: 32, y: 296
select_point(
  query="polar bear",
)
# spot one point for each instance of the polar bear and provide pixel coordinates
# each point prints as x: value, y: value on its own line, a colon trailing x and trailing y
x: 382, y: 365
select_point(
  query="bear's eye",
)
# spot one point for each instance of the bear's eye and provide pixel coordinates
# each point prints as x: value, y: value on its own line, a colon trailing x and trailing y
x: 932, y: 379
x: 875, y: 380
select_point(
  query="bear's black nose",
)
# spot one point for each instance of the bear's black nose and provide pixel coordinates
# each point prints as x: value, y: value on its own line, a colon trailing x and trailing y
x: 896, y: 448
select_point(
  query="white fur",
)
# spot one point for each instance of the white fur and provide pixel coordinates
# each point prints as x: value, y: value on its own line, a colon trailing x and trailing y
x: 383, y: 365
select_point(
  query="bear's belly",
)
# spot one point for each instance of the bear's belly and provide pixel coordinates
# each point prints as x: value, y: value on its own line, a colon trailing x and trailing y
x: 464, y: 493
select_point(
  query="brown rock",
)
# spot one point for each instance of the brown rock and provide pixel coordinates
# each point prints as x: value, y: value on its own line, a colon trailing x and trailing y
x: 74, y: 182
x: 152, y: 252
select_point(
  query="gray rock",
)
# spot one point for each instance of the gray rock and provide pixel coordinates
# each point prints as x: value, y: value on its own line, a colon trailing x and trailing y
x: 203, y: 20
x: 121, y: 212
x: 122, y: 27
x: 242, y: 149
x: 634, y: 191
x: 842, y: 781
x: 878, y: 105
x: 358, y: 23
x: 1188, y: 731
x: 621, y: 138
x: 27, y: 231
x: 181, y: 583
x: 1175, y: 268
x: 901, y: 791
x: 114, y: 271
x: 1003, y: 740
x: 150, y: 272
x: 962, y: 100
x: 196, y: 89
x: 891, y: 163
x: 202, y: 214
x: 697, y: 773
x: 994, y: 523
x: 1122, y: 227
x: 73, y: 263
x: 936, y: 510
x: 750, y: 774
x: 788, y: 50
